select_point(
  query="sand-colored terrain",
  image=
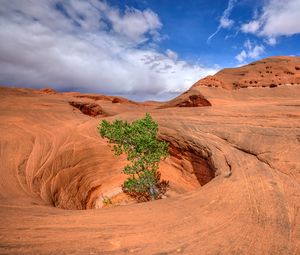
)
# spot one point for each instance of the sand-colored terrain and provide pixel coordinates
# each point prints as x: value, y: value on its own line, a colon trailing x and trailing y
x: 270, y: 72
x: 234, y: 172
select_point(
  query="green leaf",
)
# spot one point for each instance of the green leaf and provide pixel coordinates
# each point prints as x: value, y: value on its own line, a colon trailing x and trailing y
x: 139, y: 141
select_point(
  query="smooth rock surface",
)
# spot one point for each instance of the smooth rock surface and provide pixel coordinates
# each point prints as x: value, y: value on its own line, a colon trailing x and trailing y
x: 244, y: 148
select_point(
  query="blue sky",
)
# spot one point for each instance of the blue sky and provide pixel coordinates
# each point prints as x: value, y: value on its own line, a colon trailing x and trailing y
x: 188, y: 24
x: 141, y: 49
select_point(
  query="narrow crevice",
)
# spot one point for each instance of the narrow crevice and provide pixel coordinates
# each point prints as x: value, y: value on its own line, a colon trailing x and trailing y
x: 192, y: 162
x: 247, y: 152
x: 229, y: 173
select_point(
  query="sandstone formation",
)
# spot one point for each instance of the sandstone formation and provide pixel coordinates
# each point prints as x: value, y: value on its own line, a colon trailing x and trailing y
x: 190, y: 98
x: 234, y: 171
x: 113, y: 99
x: 90, y: 109
x: 269, y: 72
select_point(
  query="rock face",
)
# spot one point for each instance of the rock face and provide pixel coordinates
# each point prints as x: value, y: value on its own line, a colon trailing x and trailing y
x: 269, y: 72
x: 191, y: 98
x: 234, y: 171
x: 90, y: 109
x: 47, y: 91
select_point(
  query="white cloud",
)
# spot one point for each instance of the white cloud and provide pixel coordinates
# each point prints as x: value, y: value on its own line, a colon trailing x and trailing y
x: 251, y: 27
x: 134, y: 24
x: 172, y: 54
x: 281, y: 18
x: 271, y: 41
x: 224, y: 21
x: 248, y: 44
x: 241, y: 56
x: 251, y: 51
x: 256, y: 51
x: 88, y: 46
x: 278, y: 18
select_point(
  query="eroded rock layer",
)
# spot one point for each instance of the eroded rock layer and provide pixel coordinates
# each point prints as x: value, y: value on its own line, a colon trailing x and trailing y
x: 270, y: 72
x: 234, y: 171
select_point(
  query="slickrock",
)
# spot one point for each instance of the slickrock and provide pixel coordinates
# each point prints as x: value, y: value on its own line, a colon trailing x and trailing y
x: 269, y: 72
x: 234, y: 171
x: 191, y: 98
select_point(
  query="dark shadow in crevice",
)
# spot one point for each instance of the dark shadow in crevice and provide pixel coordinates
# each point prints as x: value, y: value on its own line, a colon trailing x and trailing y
x: 193, y: 162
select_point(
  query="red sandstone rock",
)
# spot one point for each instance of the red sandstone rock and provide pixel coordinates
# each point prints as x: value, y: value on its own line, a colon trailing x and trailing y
x: 234, y: 172
x: 269, y: 72
x: 191, y: 98
x: 90, y: 109
x: 47, y: 91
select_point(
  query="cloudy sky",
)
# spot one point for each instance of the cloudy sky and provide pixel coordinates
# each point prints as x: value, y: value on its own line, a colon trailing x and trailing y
x: 141, y: 49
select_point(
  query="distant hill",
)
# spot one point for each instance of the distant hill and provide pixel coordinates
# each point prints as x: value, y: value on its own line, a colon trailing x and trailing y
x: 266, y: 73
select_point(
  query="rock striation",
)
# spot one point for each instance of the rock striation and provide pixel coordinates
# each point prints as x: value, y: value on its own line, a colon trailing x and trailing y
x: 234, y: 171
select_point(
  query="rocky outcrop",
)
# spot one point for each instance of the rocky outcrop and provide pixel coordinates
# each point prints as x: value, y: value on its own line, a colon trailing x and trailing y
x: 192, y: 163
x: 234, y: 173
x: 47, y: 91
x: 112, y: 99
x: 269, y: 72
x: 94, y: 97
x: 191, y: 98
x: 90, y: 109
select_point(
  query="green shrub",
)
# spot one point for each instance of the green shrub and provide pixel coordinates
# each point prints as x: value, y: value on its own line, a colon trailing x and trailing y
x: 144, y: 151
